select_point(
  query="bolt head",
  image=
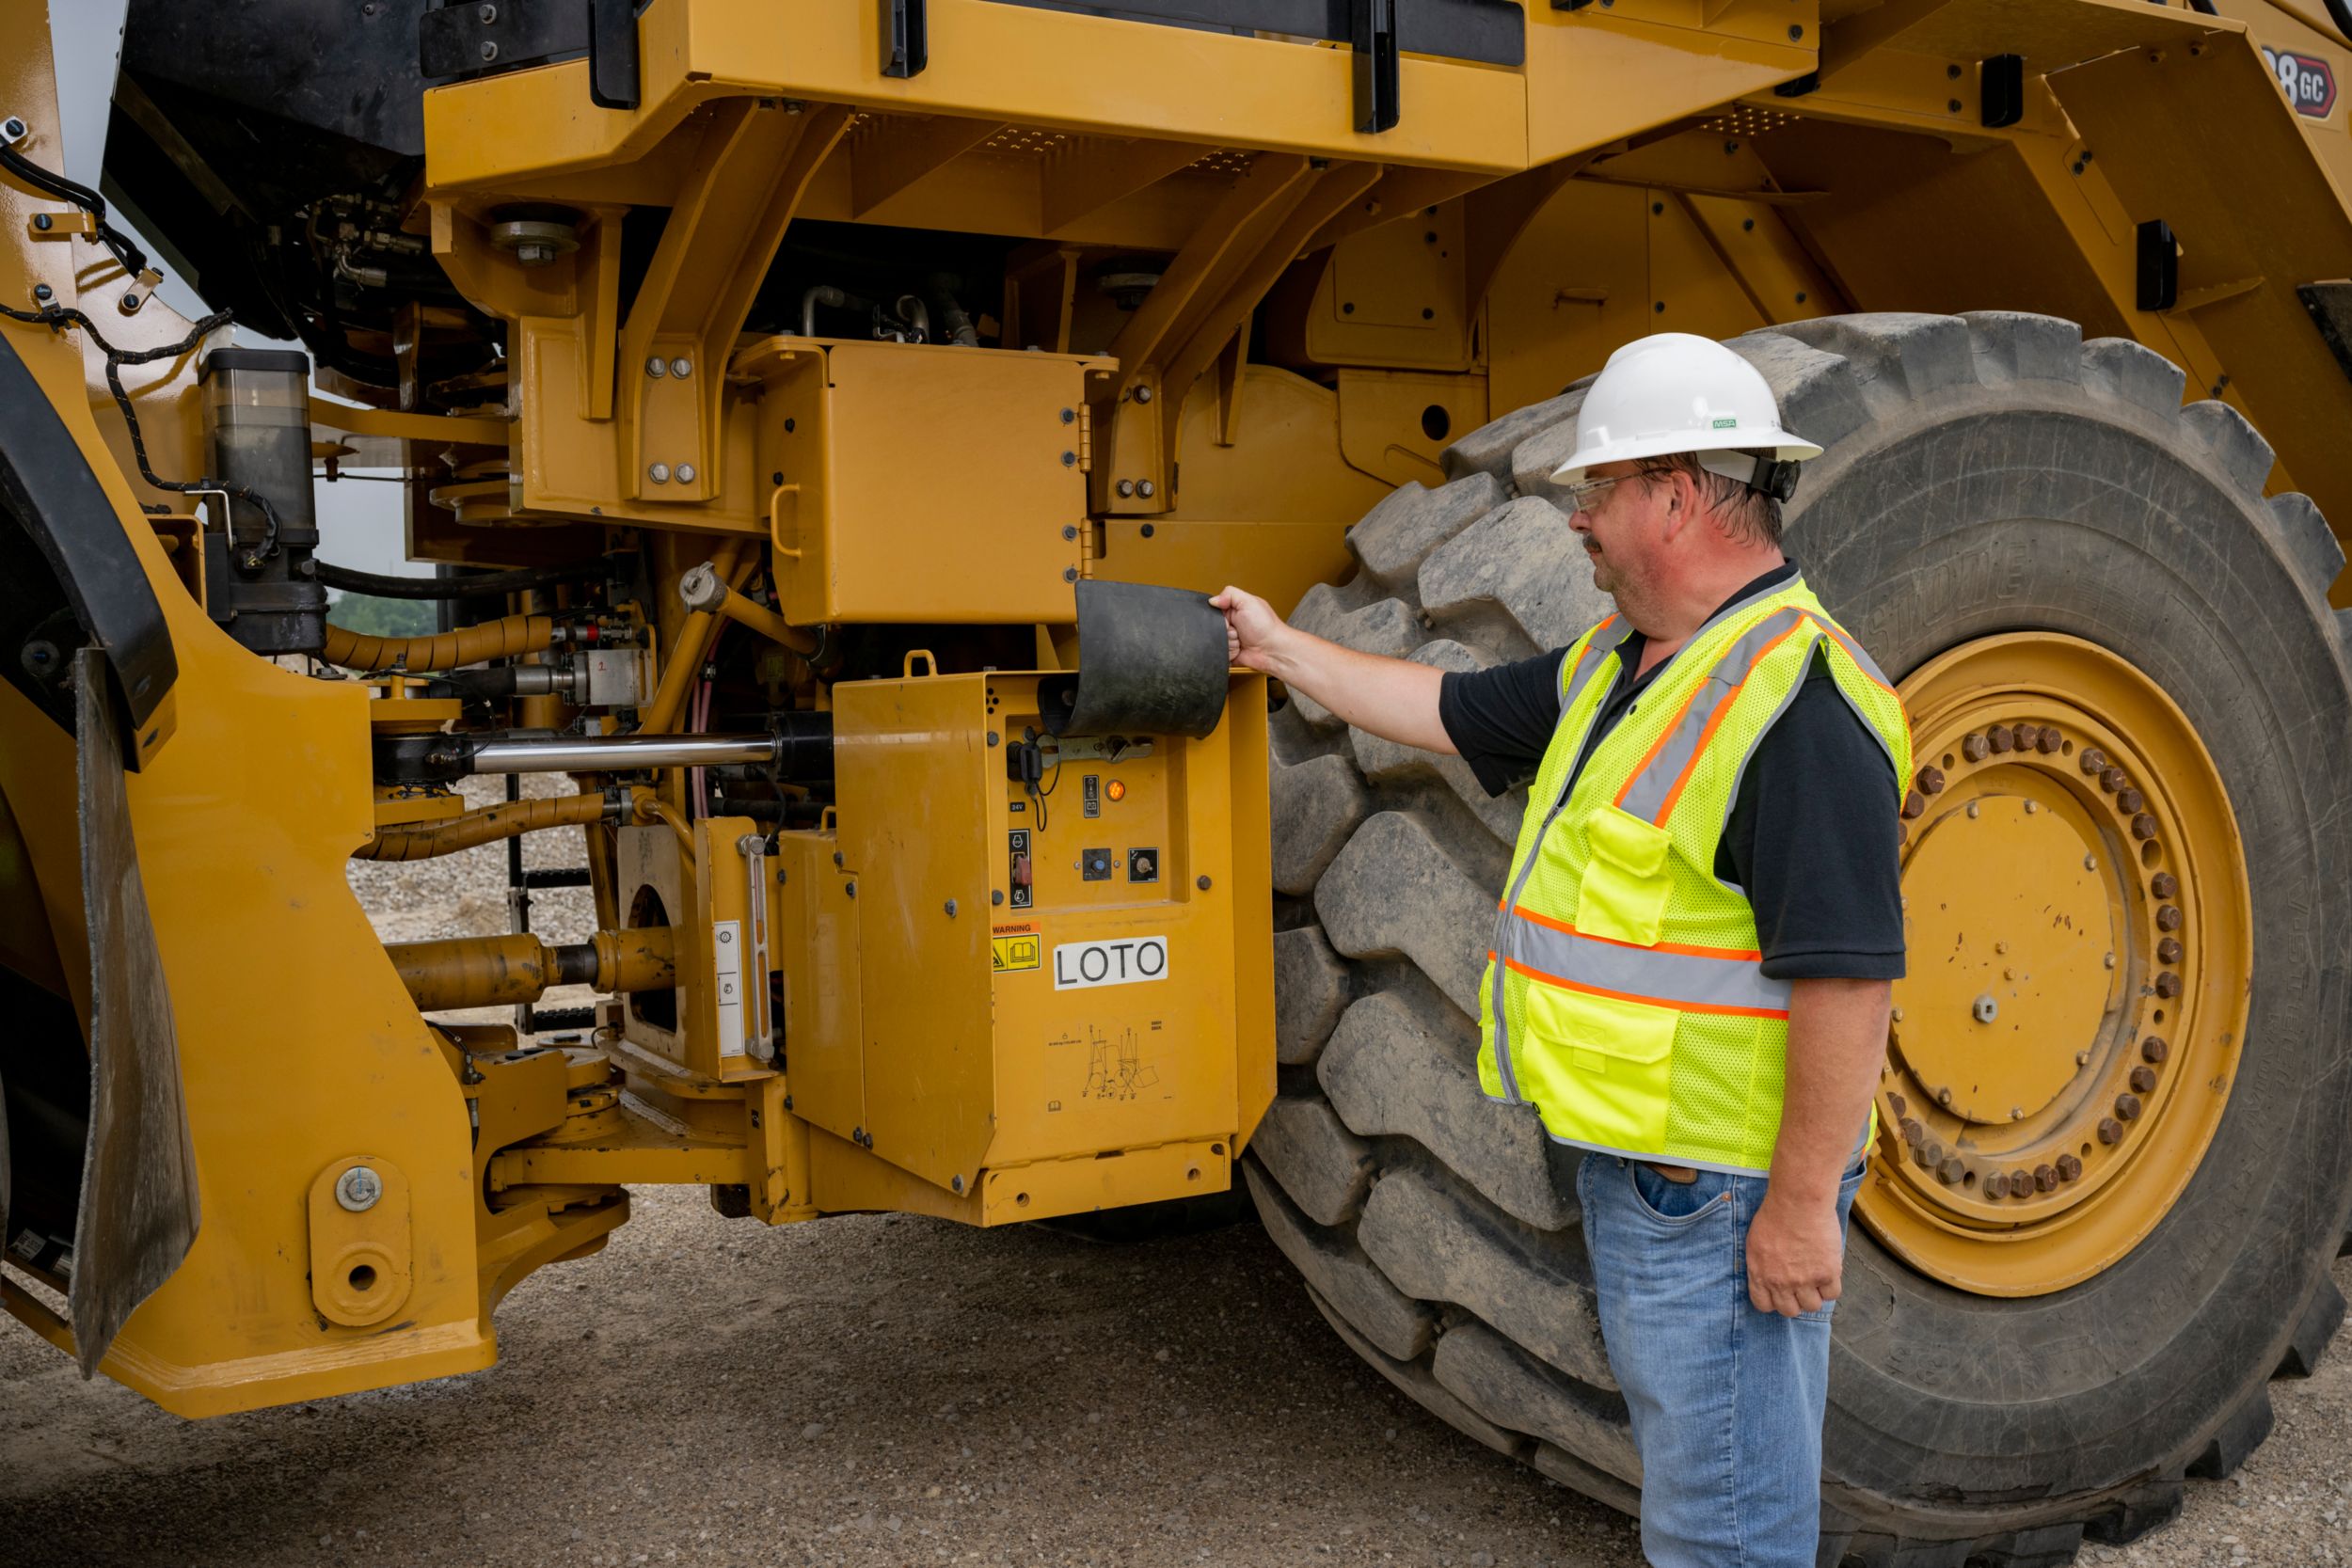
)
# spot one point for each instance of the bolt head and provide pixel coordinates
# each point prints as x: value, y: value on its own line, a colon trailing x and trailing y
x: 1951, y: 1170
x: 1999, y: 739
x: 130, y: 302
x: 489, y: 51
x: 997, y: 896
x: 1144, y: 488
x: 1913, y: 1132
x: 2110, y: 1130
x: 1143, y: 394
x: 2016, y: 1113
x: 2023, y: 735
x: 657, y: 367
x: 2168, y: 985
x: 2091, y: 863
x: 359, y: 1188
x: 1913, y: 804
x: 955, y: 1184
x: 1895, y: 1015
x: 2168, y: 917
x: 659, y: 473
x: 681, y: 367
x: 2143, y: 1080
x: 2113, y: 779
x: 13, y: 129
x: 487, y: 14
x: 2032, y: 806
x: 2110, y: 961
x: 2164, y: 884
x: 2082, y: 1058
x: 1943, y: 1097
x: 1975, y: 748
x: 2128, y: 1106
x: 2068, y: 1168
x: 2049, y: 740
x: 685, y: 473
x: 2094, y: 760
x: 1996, y: 1185
x: 1201, y: 882
x: 2044, y: 1178
x: 1972, y: 808
x: 2154, y: 1049
x: 1931, y: 779
x: 2169, y: 950
x: 2129, y: 800
x: 2143, y: 827
x: 1126, y: 487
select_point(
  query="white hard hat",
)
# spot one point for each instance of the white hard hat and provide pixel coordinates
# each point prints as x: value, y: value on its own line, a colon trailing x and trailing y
x: 1674, y: 393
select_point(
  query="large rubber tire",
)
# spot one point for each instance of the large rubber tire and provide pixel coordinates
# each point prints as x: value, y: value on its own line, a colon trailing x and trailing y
x: 1984, y: 473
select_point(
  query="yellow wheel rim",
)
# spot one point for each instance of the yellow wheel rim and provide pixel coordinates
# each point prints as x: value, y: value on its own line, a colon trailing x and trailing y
x: 2080, y: 944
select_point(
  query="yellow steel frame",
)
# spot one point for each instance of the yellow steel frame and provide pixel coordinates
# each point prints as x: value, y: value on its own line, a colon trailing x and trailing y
x: 1710, y: 165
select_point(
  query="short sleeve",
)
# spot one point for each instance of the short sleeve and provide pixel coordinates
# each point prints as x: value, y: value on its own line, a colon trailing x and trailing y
x: 1501, y: 718
x: 1814, y: 839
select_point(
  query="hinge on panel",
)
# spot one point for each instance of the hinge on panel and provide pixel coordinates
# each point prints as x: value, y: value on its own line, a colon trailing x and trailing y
x: 1086, y: 438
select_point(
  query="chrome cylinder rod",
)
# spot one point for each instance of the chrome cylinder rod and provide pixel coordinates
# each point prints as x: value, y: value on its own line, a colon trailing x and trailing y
x: 617, y: 753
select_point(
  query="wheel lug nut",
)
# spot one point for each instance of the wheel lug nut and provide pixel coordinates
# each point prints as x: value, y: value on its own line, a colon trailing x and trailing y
x: 2128, y: 1106
x: 1913, y: 803
x: 2169, y: 950
x: 2169, y: 918
x: 1996, y: 1185
x: 2094, y: 760
x: 1975, y: 748
x: 1913, y: 1132
x: 1931, y: 779
x: 2143, y: 825
x: 2152, y: 1048
x: 2044, y: 1178
x: 2164, y: 884
x: 2049, y: 740
x: 1998, y: 738
x: 2023, y: 735
x: 2143, y: 1080
x: 1951, y: 1170
x: 2113, y: 780
x: 2020, y: 1184
x: 2111, y: 1130
x: 2168, y: 985
x: 1898, y: 1104
x: 2068, y: 1168
x: 2130, y: 801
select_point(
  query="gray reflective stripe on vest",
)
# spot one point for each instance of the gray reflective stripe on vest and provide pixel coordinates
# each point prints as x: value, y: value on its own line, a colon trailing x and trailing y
x: 1607, y: 638
x: 1648, y: 793
x: 1646, y: 974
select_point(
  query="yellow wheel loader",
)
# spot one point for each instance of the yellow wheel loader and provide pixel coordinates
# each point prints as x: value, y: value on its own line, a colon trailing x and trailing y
x: 823, y: 420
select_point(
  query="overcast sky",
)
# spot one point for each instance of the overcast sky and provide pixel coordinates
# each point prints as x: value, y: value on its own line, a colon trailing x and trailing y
x: 359, y: 521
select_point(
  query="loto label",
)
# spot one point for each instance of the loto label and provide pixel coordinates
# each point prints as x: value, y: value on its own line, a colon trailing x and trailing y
x: 1127, y: 961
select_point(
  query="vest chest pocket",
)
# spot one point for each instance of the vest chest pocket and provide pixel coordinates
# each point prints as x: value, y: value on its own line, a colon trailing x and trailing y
x: 1608, y: 1063
x: 1625, y: 880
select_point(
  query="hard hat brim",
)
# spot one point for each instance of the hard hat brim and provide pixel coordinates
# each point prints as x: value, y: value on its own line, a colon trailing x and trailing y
x: 1784, y: 445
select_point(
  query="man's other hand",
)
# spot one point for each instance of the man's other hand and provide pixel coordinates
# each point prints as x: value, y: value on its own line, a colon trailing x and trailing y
x: 1251, y: 630
x: 1796, y: 1254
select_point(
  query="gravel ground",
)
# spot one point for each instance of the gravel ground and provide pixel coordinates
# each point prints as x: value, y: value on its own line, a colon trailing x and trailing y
x: 891, y: 1391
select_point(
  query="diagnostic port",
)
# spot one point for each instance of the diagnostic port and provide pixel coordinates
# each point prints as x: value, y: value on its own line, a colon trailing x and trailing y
x: 1094, y: 866
x: 1143, y: 865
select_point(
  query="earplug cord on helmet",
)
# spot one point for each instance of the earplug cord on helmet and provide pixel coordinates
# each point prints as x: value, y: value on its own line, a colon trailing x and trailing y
x: 58, y: 317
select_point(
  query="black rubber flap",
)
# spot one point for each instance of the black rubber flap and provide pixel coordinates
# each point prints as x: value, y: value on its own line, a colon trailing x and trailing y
x: 1151, y: 661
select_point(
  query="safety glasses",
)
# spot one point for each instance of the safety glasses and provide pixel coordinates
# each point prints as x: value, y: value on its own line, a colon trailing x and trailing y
x: 1586, y: 493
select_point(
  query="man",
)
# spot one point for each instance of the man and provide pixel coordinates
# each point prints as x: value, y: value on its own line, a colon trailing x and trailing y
x: 1690, y: 971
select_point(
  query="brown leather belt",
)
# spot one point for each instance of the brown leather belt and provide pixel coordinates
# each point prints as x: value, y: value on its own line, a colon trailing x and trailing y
x: 1680, y: 1175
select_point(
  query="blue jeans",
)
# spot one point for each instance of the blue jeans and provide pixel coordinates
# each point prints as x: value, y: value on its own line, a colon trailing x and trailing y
x: 1726, y: 1402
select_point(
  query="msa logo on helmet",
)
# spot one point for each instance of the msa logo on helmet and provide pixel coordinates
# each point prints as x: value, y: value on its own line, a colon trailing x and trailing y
x: 1726, y: 424
x: 2309, y: 82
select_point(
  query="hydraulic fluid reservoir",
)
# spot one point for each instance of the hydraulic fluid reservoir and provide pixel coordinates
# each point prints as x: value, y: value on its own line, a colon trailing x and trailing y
x: 256, y: 418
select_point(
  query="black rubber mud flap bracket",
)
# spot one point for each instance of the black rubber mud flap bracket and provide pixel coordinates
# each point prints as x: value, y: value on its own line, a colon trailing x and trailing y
x: 2159, y: 266
x: 2001, y: 91
x: 139, y: 1213
x: 2331, y: 305
x: 612, y: 81
x: 906, y: 38
x: 1372, y: 32
x: 1151, y: 661
x: 48, y: 486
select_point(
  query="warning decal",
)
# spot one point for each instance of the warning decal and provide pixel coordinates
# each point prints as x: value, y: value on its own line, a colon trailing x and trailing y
x: 1015, y: 947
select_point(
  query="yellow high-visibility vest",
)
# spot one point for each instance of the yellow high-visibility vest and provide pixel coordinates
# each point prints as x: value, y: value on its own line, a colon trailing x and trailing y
x: 1625, y: 995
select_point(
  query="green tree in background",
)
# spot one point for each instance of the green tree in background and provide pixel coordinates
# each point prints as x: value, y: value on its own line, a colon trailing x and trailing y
x: 373, y: 617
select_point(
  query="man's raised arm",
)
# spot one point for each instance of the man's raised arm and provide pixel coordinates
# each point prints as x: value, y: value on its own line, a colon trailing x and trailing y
x: 1394, y: 698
